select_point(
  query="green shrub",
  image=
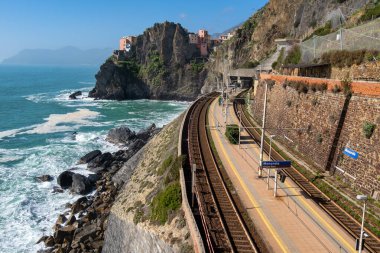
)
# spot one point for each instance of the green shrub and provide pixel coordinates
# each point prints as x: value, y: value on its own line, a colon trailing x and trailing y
x: 368, y: 129
x: 319, y: 138
x: 165, y: 164
x: 294, y: 55
x: 289, y: 103
x: 371, y: 13
x: 344, y: 58
x: 336, y: 89
x: 250, y: 64
x: 165, y: 202
x: 197, y: 67
x: 232, y: 133
x: 155, y: 69
x: 321, y: 31
x: 346, y: 84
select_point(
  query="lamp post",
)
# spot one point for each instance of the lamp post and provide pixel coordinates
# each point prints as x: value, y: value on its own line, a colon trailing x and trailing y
x: 239, y: 115
x: 362, y: 198
x: 270, y: 157
x: 263, y: 130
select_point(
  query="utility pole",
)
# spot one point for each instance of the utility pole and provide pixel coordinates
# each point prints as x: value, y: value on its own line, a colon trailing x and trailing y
x: 263, y: 130
x: 341, y: 38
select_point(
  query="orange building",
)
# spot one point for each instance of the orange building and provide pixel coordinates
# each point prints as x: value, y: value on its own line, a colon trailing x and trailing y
x: 124, y: 41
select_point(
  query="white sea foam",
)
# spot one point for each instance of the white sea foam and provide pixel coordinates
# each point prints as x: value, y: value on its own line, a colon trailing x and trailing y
x: 54, y: 122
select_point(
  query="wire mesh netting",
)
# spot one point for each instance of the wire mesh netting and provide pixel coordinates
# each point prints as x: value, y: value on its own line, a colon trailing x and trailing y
x: 366, y: 36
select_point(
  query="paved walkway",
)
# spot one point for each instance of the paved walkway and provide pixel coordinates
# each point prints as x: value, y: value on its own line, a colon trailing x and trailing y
x: 288, y: 223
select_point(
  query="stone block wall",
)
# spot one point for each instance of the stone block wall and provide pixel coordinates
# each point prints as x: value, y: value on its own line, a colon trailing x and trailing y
x: 366, y: 71
x: 325, y: 123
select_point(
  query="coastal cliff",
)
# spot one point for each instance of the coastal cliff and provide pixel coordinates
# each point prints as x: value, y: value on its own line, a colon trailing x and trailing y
x: 161, y: 65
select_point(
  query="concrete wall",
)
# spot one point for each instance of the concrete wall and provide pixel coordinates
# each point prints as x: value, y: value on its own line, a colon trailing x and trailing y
x: 329, y: 122
x: 125, y: 236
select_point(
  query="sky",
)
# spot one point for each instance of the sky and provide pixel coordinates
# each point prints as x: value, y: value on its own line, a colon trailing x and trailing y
x: 86, y: 24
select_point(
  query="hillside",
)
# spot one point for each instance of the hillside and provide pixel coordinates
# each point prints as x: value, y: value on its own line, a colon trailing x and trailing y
x: 62, y: 56
x: 255, y: 39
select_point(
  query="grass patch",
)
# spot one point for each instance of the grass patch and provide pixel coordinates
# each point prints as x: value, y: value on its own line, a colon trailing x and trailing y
x: 368, y: 129
x: 321, y: 31
x: 371, y: 13
x: 165, y: 202
x: 294, y: 55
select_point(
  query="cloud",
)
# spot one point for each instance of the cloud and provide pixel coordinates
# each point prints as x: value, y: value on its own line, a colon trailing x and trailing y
x: 182, y: 15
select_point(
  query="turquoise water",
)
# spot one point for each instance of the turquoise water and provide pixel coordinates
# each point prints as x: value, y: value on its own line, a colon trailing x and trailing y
x: 36, y: 138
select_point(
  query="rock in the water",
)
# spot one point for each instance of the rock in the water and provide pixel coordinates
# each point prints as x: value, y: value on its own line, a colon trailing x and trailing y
x: 147, y: 133
x: 57, y: 189
x: 90, y: 156
x: 61, y: 219
x: 64, y: 233
x: 101, y: 161
x: 75, y: 94
x: 65, y: 179
x: 121, y: 135
x: 45, y: 178
x: 81, y: 184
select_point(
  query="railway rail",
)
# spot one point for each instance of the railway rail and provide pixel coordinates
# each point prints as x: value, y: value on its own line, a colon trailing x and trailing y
x: 372, y: 242
x: 223, y: 227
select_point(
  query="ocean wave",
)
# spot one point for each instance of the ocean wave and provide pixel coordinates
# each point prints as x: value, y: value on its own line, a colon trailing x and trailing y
x: 86, y: 82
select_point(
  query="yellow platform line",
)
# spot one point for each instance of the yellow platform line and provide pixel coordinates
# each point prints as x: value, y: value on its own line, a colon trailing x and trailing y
x: 323, y: 221
x: 250, y: 196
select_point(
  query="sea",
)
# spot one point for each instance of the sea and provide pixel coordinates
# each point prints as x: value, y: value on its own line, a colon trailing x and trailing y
x: 42, y: 132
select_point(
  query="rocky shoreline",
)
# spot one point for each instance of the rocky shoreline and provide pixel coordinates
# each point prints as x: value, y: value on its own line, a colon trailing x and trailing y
x: 81, y: 229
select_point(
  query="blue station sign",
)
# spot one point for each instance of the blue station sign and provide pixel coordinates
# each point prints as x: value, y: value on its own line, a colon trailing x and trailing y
x: 351, y: 153
x: 276, y: 164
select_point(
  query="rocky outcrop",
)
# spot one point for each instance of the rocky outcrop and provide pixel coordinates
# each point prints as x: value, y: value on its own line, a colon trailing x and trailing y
x: 75, y: 94
x: 125, y: 136
x: 45, y: 178
x: 162, y: 65
x: 82, y: 228
x: 90, y: 156
x: 118, y: 82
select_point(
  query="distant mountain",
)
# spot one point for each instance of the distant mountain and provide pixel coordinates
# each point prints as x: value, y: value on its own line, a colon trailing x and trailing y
x: 216, y: 35
x: 63, y: 56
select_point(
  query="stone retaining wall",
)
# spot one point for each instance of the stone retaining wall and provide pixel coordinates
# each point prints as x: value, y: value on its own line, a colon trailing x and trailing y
x: 327, y: 123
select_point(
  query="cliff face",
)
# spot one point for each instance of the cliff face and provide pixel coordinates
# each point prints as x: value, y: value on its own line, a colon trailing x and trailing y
x: 163, y: 65
x: 255, y: 39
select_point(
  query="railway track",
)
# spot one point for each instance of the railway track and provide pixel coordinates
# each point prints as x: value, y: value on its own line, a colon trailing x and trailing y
x: 372, y: 243
x: 223, y: 227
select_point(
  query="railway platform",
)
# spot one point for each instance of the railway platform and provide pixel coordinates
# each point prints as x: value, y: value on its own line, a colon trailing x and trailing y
x: 290, y: 222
